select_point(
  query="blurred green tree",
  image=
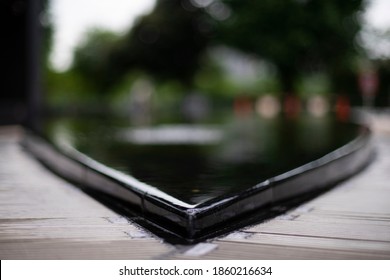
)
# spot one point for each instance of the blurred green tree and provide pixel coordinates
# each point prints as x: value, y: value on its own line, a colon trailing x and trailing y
x: 296, y: 35
x: 166, y: 44
x: 170, y: 41
x: 91, y: 59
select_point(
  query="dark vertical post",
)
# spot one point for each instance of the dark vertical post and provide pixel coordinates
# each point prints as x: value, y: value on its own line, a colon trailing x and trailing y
x: 20, y: 96
x: 34, y: 61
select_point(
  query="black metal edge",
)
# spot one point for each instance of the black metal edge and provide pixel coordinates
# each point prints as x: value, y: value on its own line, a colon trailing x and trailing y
x: 75, y: 170
x: 87, y: 175
x: 309, y: 179
x: 189, y: 225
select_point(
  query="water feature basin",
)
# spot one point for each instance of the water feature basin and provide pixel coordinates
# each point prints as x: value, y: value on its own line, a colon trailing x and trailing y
x: 193, y: 181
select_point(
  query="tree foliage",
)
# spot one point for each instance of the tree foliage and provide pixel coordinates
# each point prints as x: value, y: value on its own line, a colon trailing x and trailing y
x: 166, y: 44
x: 91, y: 59
x: 296, y: 35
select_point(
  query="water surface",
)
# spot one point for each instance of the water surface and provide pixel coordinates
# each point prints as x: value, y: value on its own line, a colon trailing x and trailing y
x: 198, y: 162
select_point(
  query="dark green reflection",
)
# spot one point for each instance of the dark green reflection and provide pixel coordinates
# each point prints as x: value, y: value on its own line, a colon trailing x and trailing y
x: 195, y: 163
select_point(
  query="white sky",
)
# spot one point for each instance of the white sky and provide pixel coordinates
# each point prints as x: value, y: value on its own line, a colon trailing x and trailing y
x: 378, y: 13
x: 71, y: 19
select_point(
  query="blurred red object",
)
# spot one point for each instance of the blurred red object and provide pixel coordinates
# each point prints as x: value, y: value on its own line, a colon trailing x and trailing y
x: 242, y: 106
x: 343, y: 108
x: 291, y: 106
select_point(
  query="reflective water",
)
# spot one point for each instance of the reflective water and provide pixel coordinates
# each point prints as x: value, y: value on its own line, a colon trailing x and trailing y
x: 195, y: 163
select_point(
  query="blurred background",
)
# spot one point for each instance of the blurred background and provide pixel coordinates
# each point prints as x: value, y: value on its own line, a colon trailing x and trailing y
x: 196, y: 97
x: 190, y: 60
x: 199, y: 57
